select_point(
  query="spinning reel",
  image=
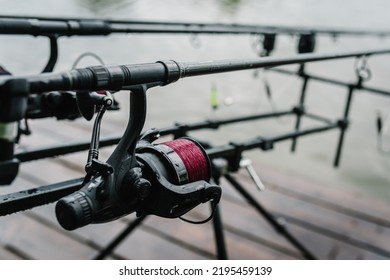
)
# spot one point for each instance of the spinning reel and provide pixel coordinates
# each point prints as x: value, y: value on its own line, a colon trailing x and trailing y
x: 167, y: 179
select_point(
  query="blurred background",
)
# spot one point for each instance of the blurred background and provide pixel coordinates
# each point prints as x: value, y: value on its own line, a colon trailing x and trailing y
x: 363, y: 167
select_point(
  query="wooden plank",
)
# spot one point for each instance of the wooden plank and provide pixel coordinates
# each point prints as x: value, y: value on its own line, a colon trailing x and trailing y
x: 37, y: 137
x: 77, y: 129
x: 202, y: 237
x: 40, y: 242
x: 144, y: 245
x: 328, y: 196
x: 328, y: 248
x: 331, y: 218
x: 199, y: 237
x: 240, y: 248
x: 245, y: 221
x: 347, y: 228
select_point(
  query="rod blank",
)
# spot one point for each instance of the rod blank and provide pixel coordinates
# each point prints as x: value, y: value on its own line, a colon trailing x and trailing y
x: 117, y: 77
x: 86, y: 27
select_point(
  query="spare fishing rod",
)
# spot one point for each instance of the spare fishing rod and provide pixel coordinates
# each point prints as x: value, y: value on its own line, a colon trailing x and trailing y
x: 53, y: 28
x: 178, y: 130
x: 62, y: 26
x: 94, y: 27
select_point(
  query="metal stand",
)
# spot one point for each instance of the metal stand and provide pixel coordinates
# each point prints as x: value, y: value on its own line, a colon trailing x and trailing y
x: 219, y: 235
x: 343, y: 123
x: 299, y: 110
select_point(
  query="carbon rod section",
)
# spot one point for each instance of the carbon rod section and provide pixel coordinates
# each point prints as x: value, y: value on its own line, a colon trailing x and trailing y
x: 117, y: 77
x: 263, y: 142
x: 46, y: 26
x: 63, y: 149
x: 177, y: 129
x: 24, y: 200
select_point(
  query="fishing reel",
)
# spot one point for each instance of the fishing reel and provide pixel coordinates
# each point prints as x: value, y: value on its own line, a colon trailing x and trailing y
x: 167, y: 179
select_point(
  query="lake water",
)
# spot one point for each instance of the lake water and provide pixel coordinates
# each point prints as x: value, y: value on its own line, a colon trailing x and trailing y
x: 363, y: 167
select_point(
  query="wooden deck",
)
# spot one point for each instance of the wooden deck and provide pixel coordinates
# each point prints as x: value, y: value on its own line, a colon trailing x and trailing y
x: 331, y: 223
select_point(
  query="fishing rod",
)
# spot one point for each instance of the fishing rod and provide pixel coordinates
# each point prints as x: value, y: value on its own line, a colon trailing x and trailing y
x: 95, y: 27
x: 62, y: 26
x: 120, y: 77
x: 53, y: 28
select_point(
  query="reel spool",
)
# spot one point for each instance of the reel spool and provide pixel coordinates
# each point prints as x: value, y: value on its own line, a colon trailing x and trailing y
x: 182, y: 160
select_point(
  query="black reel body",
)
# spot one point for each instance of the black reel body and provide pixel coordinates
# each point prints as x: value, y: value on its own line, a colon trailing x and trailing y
x: 161, y: 183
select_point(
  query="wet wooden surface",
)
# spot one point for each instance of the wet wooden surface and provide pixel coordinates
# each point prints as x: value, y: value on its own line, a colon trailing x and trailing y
x: 332, y: 223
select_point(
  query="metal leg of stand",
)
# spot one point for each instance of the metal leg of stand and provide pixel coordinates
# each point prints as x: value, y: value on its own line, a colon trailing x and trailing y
x: 106, y: 251
x: 278, y: 226
x: 299, y: 115
x: 219, y: 236
x: 343, y: 126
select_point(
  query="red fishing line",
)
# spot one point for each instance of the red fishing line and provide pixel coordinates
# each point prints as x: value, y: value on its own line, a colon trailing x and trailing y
x: 194, y: 158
